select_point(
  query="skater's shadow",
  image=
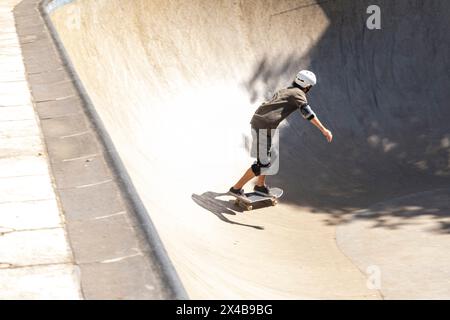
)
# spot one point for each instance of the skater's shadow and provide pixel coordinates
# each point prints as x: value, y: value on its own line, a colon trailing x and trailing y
x: 209, y: 201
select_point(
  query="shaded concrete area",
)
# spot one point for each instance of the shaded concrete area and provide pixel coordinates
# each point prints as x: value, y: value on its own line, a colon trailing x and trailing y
x: 175, y: 87
x: 110, y: 250
x: 383, y: 93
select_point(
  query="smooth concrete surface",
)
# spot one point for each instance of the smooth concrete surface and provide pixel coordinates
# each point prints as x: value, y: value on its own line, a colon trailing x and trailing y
x: 405, y: 243
x: 36, y: 261
x: 112, y: 257
x: 175, y: 85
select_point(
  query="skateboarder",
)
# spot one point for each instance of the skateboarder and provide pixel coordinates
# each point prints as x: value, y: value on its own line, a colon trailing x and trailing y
x: 267, y: 118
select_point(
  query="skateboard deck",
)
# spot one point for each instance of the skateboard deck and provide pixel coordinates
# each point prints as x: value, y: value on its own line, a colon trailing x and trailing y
x: 251, y: 198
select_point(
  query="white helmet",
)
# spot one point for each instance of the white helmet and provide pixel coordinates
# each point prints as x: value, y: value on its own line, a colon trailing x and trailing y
x: 305, y: 79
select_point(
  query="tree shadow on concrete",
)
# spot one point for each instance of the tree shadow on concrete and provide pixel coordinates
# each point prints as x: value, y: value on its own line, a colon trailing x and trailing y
x: 390, y: 122
x: 406, y: 210
x: 220, y: 208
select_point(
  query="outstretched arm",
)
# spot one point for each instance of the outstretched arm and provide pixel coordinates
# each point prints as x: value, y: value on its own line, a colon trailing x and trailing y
x: 327, y: 133
x: 309, y: 115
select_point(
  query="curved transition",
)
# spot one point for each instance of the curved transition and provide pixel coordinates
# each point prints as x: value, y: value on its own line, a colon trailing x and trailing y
x: 175, y: 84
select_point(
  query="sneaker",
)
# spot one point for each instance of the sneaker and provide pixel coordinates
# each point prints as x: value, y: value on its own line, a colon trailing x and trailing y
x: 263, y: 189
x: 237, y: 192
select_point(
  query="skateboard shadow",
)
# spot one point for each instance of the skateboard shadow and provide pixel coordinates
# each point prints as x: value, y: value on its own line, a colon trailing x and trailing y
x: 220, y: 208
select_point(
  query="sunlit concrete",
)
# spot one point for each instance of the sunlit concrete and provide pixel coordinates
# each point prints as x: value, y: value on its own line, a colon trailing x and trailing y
x: 35, y: 258
x: 52, y: 282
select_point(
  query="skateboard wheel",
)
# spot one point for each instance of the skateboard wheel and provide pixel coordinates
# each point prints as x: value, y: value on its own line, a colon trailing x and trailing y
x: 274, y: 202
x: 250, y: 208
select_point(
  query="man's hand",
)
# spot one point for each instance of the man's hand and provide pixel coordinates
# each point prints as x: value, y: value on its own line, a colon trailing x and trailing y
x: 327, y: 133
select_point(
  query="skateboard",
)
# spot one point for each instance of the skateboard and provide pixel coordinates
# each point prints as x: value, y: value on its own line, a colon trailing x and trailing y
x: 251, y: 198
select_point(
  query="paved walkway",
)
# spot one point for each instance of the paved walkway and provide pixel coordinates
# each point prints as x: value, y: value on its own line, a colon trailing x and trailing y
x: 35, y: 258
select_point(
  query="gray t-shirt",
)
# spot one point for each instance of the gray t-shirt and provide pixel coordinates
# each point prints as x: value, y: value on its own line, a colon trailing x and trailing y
x: 285, y: 101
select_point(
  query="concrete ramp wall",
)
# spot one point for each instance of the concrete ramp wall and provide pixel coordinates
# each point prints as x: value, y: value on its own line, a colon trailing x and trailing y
x: 175, y: 84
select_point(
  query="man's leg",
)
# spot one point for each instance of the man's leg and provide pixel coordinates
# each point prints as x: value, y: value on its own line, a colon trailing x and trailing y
x: 255, y: 169
x: 248, y: 175
x: 261, y: 181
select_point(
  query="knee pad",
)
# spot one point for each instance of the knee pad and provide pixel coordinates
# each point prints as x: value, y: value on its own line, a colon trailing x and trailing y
x: 256, y: 167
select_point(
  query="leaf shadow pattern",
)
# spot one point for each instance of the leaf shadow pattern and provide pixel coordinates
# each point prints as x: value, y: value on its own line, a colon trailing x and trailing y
x: 390, y: 123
